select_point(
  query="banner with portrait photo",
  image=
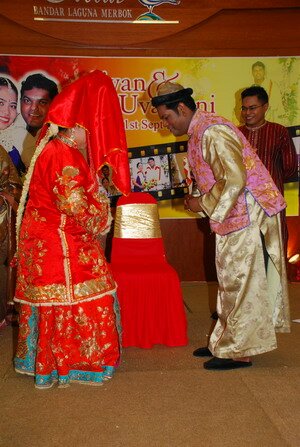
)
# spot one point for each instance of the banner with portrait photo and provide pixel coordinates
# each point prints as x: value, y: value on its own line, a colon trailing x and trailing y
x: 155, y: 155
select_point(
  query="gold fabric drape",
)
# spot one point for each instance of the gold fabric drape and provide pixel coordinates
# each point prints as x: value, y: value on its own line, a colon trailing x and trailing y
x: 137, y: 221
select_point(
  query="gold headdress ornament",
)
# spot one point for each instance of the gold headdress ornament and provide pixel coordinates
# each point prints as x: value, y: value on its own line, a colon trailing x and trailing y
x: 169, y: 92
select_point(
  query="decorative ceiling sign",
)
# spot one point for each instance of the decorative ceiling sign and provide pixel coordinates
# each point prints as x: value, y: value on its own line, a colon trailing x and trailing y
x: 104, y: 11
x: 176, y: 25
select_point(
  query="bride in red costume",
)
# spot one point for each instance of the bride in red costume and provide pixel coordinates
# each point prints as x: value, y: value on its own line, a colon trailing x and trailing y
x: 68, y: 309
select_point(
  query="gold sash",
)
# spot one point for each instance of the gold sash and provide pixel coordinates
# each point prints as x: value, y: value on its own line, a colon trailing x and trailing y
x: 137, y: 221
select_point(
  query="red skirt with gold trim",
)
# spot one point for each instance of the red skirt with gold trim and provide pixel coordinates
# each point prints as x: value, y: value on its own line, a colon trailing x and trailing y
x: 69, y: 343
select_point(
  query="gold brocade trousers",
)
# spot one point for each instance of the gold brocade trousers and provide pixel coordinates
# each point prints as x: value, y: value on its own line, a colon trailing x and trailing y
x: 252, y: 302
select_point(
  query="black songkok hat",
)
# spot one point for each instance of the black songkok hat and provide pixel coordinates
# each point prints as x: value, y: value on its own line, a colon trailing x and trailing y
x: 170, y: 92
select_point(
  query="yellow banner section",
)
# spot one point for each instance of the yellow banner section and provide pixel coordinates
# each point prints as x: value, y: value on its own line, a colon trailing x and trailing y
x: 216, y: 82
x: 291, y: 195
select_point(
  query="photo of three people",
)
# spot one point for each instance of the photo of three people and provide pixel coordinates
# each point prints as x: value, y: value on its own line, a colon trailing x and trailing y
x: 156, y: 173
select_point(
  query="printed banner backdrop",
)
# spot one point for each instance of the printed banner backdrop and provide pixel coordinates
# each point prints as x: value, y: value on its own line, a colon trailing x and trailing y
x: 216, y: 82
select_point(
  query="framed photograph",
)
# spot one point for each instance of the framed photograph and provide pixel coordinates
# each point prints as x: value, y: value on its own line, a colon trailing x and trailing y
x: 157, y: 170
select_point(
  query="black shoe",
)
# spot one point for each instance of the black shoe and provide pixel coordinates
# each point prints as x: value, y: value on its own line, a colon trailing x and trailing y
x: 214, y: 316
x: 202, y: 352
x: 224, y: 364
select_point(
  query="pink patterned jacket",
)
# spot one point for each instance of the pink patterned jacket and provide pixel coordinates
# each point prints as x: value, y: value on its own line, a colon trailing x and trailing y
x: 223, y: 200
